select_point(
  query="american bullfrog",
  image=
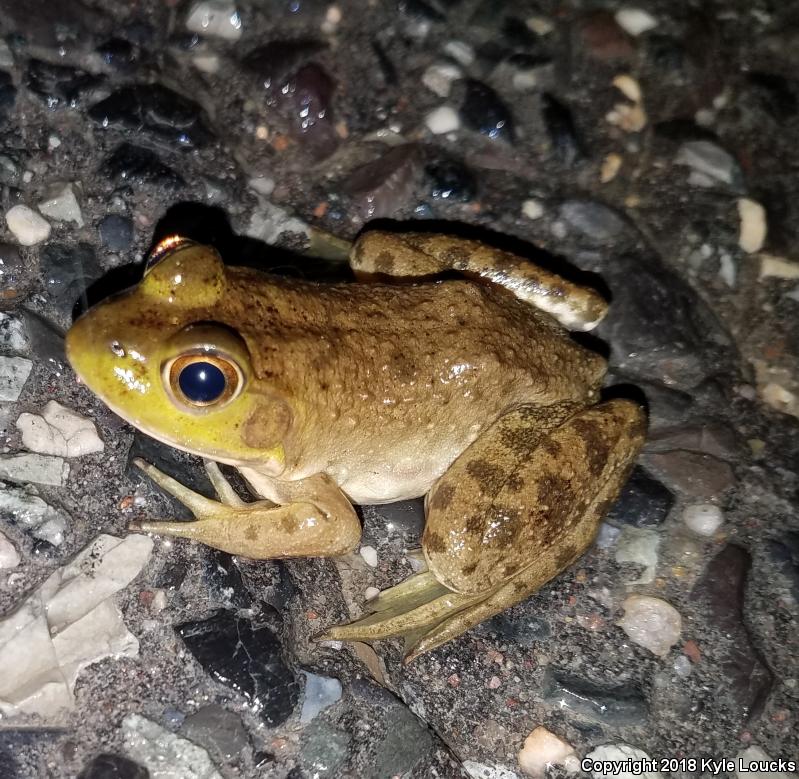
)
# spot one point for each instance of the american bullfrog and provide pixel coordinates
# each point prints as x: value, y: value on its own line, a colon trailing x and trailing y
x: 467, y: 390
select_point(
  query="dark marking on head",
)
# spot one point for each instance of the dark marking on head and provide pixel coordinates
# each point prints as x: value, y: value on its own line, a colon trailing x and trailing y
x: 475, y: 524
x: 515, y: 483
x: 442, y: 497
x: 250, y: 533
x: 489, y: 477
x: 551, y: 447
x: 384, y: 262
x: 468, y: 570
x: 434, y: 542
x: 597, y: 445
x: 567, y: 555
x: 456, y: 257
x: 511, y: 568
x: 520, y: 439
x: 504, y: 529
x: 267, y: 425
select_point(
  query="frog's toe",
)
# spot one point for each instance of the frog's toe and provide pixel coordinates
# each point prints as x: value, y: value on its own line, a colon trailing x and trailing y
x: 413, y: 610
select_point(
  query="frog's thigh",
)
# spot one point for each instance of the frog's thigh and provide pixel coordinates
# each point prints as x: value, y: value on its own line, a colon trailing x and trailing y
x: 526, y: 498
x: 409, y: 256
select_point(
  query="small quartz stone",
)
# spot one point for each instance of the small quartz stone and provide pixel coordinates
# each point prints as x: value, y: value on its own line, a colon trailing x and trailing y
x: 753, y: 225
x: 607, y: 754
x: 13, y: 336
x: 639, y: 546
x: 59, y: 431
x: 37, y: 468
x: 369, y: 554
x: 439, y: 77
x: 27, y: 510
x: 651, y: 623
x: 215, y: 18
x: 320, y: 692
x: 635, y: 21
x: 14, y: 372
x: 532, y: 208
x: 443, y: 119
x: 9, y: 557
x: 27, y: 226
x: 543, y: 749
x: 62, y: 205
x: 703, y: 518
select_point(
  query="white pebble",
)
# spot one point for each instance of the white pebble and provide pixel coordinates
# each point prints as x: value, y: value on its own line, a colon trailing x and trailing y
x: 215, y: 18
x: 13, y: 337
x: 9, y: 557
x: 532, y: 208
x: 14, y: 372
x: 651, y: 623
x: 608, y: 754
x: 6, y: 57
x: 59, y: 431
x: 541, y: 749
x: 635, y: 21
x: 628, y: 86
x: 772, y: 266
x: 752, y: 235
x: 461, y: 52
x: 369, y: 554
x: 439, y: 78
x: 34, y: 467
x: 682, y: 666
x: 443, y: 119
x: 61, y: 204
x: 206, y: 63
x: 540, y: 25
x: 639, y: 546
x: 27, y: 226
x: 703, y: 518
x: 371, y: 593
x: 728, y: 270
x: 263, y: 185
x: 750, y: 765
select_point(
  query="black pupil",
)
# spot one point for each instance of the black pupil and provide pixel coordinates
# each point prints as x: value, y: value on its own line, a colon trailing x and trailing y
x: 202, y: 382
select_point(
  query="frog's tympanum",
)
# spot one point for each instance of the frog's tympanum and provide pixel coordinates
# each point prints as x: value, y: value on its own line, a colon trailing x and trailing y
x: 467, y: 390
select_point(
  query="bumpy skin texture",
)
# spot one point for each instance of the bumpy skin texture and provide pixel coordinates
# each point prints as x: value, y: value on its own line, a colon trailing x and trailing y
x: 375, y: 392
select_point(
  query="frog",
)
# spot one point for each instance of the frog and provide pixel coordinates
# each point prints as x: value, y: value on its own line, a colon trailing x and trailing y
x: 445, y: 368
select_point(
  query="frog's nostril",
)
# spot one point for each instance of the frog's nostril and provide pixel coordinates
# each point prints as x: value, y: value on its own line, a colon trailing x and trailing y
x: 117, y: 349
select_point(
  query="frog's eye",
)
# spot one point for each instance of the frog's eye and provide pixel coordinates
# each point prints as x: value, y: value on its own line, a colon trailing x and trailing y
x: 203, y: 380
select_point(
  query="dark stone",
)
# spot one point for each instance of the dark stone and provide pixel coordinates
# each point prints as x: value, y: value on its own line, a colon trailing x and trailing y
x: 44, y: 550
x: 8, y: 94
x: 324, y: 749
x: 784, y: 554
x: 109, y: 766
x: 247, y: 659
x: 518, y: 34
x: 709, y: 437
x: 67, y: 271
x: 154, y: 110
x: 406, y: 516
x: 518, y: 625
x: 451, y: 180
x: 601, y: 38
x: 559, y: 122
x: 776, y: 94
x: 696, y: 475
x: 119, y: 54
x: 272, y: 63
x: 596, y: 223
x: 8, y: 765
x: 116, y: 232
x: 15, y: 277
x: 384, y: 186
x: 681, y: 130
x: 616, y: 705
x: 420, y: 11
x: 483, y: 110
x: 405, y: 742
x: 643, y: 502
x: 60, y: 85
x: 218, y: 730
x: 745, y: 681
x: 47, y: 340
x: 222, y: 580
x: 666, y: 53
x: 387, y: 69
x: 129, y: 164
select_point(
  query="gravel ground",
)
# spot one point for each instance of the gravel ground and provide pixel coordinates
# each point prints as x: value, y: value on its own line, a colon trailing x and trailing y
x: 651, y: 145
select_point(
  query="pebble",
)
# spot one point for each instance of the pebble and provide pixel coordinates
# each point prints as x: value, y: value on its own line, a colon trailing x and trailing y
x: 451, y: 180
x: 109, y: 766
x: 61, y: 204
x: 245, y: 658
x: 560, y: 127
x: 68, y: 623
x: 439, y: 77
x: 369, y: 554
x: 14, y: 372
x: 13, y: 336
x: 608, y: 754
x: 6, y: 57
x: 635, y: 21
x: 443, y: 119
x: 619, y: 705
x: 750, y: 762
x: 27, y: 226
x: 753, y: 230
x: 116, y: 232
x: 643, y: 501
x: 703, y: 518
x: 777, y: 268
x: 14, y: 273
x: 324, y: 749
x: 460, y: 51
x: 591, y: 220
x: 215, y: 18
x: 36, y: 468
x: 611, y: 166
x: 682, y: 666
x: 220, y: 731
x: 484, y: 111
x: 651, y: 623
x: 542, y: 749
x: 533, y: 209
x: 165, y: 755
x: 482, y: 771
x: 9, y: 557
x: 59, y: 431
x: 129, y: 164
x: 601, y: 38
x: 697, y: 475
x: 710, y: 165
x: 320, y: 692
x: 27, y: 510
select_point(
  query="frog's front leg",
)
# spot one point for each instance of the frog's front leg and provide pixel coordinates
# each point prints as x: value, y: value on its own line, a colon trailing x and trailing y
x: 315, y: 519
x: 517, y: 507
